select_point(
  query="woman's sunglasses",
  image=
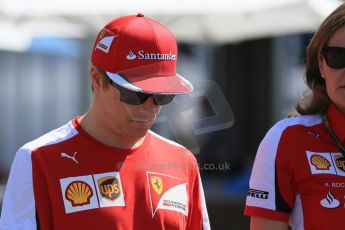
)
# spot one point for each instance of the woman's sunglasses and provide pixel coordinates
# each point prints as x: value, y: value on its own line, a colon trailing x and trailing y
x: 137, y: 98
x: 334, y: 56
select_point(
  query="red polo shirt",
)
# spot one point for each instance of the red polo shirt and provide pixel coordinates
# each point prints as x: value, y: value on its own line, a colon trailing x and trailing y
x: 299, y: 173
x: 68, y: 180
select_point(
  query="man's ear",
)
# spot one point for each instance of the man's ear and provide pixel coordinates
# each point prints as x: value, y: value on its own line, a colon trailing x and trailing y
x: 95, y: 78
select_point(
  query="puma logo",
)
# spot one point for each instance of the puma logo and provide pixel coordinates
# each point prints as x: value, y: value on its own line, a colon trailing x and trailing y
x: 70, y: 157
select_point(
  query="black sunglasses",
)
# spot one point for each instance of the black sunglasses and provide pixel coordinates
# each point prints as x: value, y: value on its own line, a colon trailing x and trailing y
x: 137, y: 98
x: 334, y: 56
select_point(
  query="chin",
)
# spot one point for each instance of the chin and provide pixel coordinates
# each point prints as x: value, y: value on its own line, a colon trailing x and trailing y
x: 138, y: 133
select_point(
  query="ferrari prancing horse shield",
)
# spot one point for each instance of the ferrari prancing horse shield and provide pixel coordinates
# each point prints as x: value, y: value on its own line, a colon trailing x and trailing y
x: 157, y: 184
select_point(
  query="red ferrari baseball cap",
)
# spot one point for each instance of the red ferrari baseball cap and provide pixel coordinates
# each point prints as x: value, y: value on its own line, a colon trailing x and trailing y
x: 139, y: 54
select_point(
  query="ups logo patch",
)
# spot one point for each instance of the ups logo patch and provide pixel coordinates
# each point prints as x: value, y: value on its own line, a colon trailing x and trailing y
x: 109, y: 187
x: 340, y: 162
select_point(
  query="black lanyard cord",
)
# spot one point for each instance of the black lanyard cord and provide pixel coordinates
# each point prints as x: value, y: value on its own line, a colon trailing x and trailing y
x: 332, y: 133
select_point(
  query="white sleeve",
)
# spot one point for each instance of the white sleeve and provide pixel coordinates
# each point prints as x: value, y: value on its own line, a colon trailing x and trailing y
x: 18, y: 208
x: 262, y: 184
x: 270, y: 181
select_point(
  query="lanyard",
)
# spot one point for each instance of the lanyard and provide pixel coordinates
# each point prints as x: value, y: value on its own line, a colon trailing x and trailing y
x: 332, y: 133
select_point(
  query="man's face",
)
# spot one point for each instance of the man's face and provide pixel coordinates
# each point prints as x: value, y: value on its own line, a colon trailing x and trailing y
x: 125, y: 120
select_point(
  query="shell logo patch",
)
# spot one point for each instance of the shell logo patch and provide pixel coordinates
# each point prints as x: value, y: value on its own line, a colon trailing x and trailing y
x: 320, y: 162
x: 78, y: 193
x: 157, y: 184
x: 167, y: 193
x: 92, y: 191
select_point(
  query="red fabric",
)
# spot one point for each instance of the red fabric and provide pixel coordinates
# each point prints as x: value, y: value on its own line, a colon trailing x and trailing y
x: 266, y: 213
x: 334, y: 114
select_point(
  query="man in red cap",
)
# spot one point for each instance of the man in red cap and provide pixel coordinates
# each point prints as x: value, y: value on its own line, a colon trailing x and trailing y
x: 106, y: 169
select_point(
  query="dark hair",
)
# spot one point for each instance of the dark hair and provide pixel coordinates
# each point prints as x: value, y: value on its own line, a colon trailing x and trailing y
x: 318, y: 100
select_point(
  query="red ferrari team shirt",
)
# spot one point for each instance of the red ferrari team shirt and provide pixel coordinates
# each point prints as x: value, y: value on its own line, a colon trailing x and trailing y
x: 299, y: 174
x: 68, y: 180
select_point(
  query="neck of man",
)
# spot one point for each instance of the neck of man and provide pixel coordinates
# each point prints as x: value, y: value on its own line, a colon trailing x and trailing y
x: 99, y: 130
